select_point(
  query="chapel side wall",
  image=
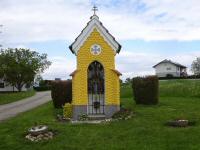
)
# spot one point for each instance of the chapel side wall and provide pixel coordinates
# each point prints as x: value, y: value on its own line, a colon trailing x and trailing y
x: 117, y: 91
x: 106, y: 58
x: 113, y: 87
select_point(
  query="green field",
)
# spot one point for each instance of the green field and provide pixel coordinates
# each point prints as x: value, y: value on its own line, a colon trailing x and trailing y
x: 145, y: 131
x: 171, y: 88
x: 12, y: 97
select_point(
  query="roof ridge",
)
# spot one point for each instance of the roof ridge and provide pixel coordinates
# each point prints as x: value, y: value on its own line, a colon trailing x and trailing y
x: 170, y: 61
x: 114, y: 43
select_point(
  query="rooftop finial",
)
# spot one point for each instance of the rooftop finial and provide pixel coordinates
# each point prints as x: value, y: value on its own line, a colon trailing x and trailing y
x: 94, y: 9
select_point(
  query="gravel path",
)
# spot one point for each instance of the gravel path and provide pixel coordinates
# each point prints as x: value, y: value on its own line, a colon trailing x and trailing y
x: 12, y: 109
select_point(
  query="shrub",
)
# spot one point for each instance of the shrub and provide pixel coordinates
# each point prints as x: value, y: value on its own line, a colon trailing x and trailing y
x: 67, y: 110
x: 145, y: 90
x: 83, y: 117
x: 170, y: 76
x: 42, y: 88
x: 61, y: 93
x: 182, y: 77
x: 123, y: 114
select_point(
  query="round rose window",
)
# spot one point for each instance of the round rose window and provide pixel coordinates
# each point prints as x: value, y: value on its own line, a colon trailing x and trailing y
x: 95, y: 49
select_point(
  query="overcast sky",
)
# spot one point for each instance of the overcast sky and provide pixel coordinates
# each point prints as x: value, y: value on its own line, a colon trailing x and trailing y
x: 148, y: 30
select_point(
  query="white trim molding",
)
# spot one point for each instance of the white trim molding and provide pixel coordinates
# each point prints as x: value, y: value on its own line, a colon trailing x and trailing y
x: 94, y: 23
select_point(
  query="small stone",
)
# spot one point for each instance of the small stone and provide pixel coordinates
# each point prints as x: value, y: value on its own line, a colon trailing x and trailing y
x: 107, y: 120
x: 46, y: 135
x: 50, y: 137
x: 39, y: 138
x: 46, y: 138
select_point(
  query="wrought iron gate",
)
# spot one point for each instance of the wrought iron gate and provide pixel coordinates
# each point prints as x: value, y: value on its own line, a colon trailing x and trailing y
x: 95, y: 88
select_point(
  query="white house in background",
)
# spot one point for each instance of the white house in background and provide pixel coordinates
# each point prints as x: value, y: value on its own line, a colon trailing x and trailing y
x: 5, y: 87
x: 169, y: 68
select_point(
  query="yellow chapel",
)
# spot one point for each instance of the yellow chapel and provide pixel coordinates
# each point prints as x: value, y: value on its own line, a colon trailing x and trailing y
x: 95, y: 82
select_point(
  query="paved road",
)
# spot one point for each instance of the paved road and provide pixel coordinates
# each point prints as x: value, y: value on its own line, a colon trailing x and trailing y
x: 12, y: 109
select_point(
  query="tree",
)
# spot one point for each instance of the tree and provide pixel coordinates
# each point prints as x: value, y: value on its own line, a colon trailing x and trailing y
x: 37, y: 80
x: 196, y: 66
x: 120, y: 81
x: 20, y: 66
x: 128, y: 80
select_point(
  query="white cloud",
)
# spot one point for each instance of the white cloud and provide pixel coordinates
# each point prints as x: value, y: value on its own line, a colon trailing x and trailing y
x: 36, y: 20
x: 140, y: 64
x: 20, y: 46
x: 60, y: 68
x: 130, y: 64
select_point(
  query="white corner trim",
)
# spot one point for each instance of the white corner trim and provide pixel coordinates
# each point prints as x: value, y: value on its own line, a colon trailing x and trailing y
x: 94, y: 23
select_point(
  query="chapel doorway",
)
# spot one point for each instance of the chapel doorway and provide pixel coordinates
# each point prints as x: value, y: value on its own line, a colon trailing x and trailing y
x: 96, y: 90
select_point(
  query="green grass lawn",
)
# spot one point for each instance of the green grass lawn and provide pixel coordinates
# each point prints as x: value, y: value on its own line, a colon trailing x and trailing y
x: 12, y: 97
x: 184, y: 88
x: 171, y: 88
x: 145, y: 131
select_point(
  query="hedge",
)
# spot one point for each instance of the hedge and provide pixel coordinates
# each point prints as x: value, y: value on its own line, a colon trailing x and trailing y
x: 146, y: 90
x: 42, y: 88
x: 61, y: 93
x: 187, y: 77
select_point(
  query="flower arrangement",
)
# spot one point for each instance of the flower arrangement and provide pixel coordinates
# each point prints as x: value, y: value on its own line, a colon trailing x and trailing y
x: 67, y: 110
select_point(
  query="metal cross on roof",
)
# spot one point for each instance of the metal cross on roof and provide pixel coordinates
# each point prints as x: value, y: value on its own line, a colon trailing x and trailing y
x: 94, y: 9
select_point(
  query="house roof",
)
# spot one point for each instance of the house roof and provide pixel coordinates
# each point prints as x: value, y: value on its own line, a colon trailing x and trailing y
x: 169, y: 61
x: 94, y: 23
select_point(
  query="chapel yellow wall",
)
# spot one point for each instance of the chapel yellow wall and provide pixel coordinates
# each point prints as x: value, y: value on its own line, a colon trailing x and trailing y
x: 107, y: 59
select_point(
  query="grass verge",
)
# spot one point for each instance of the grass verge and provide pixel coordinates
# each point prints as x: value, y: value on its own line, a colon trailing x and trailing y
x: 6, y: 98
x: 145, y: 131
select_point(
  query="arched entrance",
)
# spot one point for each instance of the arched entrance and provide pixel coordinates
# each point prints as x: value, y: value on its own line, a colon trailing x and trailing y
x: 96, y: 88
